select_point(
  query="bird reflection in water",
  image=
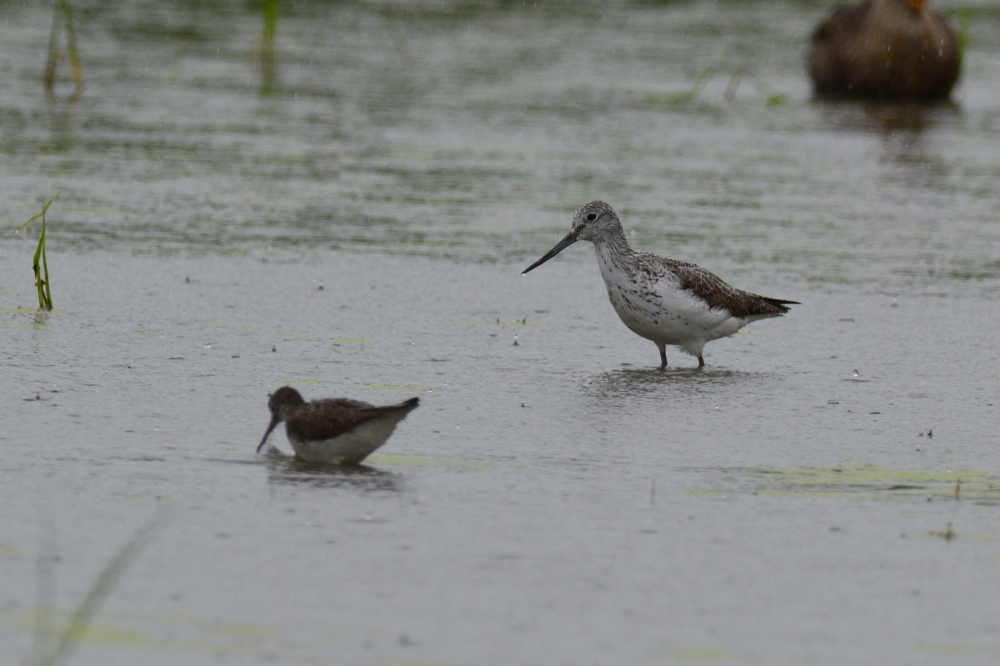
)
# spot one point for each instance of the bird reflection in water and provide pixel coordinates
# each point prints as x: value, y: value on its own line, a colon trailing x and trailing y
x: 291, y: 470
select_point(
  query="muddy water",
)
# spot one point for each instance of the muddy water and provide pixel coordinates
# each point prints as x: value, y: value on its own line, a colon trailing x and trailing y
x: 826, y: 491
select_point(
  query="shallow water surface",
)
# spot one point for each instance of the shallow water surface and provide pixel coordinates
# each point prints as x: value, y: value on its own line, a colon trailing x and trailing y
x: 826, y: 491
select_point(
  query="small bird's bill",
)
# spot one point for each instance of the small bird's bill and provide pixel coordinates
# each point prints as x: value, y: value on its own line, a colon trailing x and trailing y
x: 560, y: 246
x: 270, y: 427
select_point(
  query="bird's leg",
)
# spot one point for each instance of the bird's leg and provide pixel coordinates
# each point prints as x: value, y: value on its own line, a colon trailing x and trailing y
x: 701, y: 362
x: 663, y: 356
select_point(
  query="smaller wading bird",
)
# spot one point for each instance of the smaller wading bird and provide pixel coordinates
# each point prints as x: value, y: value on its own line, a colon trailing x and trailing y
x: 884, y: 49
x: 661, y: 299
x: 335, y: 430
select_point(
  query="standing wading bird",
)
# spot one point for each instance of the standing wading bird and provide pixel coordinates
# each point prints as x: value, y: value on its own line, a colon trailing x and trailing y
x: 667, y: 301
x: 884, y: 49
x: 335, y: 430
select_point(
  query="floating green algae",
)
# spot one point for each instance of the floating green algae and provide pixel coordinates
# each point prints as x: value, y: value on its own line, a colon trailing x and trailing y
x: 871, y: 482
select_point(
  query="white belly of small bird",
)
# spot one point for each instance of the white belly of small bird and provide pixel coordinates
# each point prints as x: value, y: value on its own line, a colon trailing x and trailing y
x: 347, y: 449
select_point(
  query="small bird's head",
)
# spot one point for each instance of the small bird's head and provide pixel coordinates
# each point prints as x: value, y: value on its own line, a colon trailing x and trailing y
x: 593, y: 220
x: 590, y: 222
x: 282, y: 404
x: 284, y: 399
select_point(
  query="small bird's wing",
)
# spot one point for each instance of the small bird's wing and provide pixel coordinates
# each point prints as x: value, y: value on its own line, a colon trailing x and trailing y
x: 400, y: 410
x: 708, y: 286
x: 325, y: 419
x: 407, y: 405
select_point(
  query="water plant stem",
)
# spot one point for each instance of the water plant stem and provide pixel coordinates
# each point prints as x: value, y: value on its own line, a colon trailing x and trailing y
x: 63, y: 11
x: 99, y: 591
x: 40, y: 264
x: 269, y: 8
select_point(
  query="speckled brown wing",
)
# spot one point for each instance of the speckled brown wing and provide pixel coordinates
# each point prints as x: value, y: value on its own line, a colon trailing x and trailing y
x: 712, y: 289
x: 325, y: 419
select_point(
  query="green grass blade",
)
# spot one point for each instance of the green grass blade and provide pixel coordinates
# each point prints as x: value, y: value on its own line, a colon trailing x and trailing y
x: 63, y: 14
x: 99, y: 591
x: 53, y: 61
x: 270, y: 9
x: 45, y: 209
x: 45, y: 603
x: 268, y: 63
x: 74, y: 55
x: 39, y: 281
x: 45, y: 297
x: 40, y: 264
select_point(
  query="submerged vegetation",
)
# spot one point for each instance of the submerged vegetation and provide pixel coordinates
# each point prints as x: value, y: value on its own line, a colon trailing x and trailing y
x: 40, y: 263
x: 63, y: 16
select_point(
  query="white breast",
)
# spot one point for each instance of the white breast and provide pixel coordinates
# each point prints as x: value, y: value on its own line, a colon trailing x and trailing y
x: 661, y: 311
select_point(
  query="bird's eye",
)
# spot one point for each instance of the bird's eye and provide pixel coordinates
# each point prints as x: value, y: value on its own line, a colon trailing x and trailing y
x: 592, y: 217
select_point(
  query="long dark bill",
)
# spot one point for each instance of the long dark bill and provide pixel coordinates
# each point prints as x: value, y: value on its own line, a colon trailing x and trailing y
x: 560, y: 246
x: 274, y: 422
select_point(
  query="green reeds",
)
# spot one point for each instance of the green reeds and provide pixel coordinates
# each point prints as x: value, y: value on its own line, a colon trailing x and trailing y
x: 736, y: 76
x: 49, y: 649
x: 40, y: 263
x: 268, y: 68
x: 63, y: 16
x: 963, y: 33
